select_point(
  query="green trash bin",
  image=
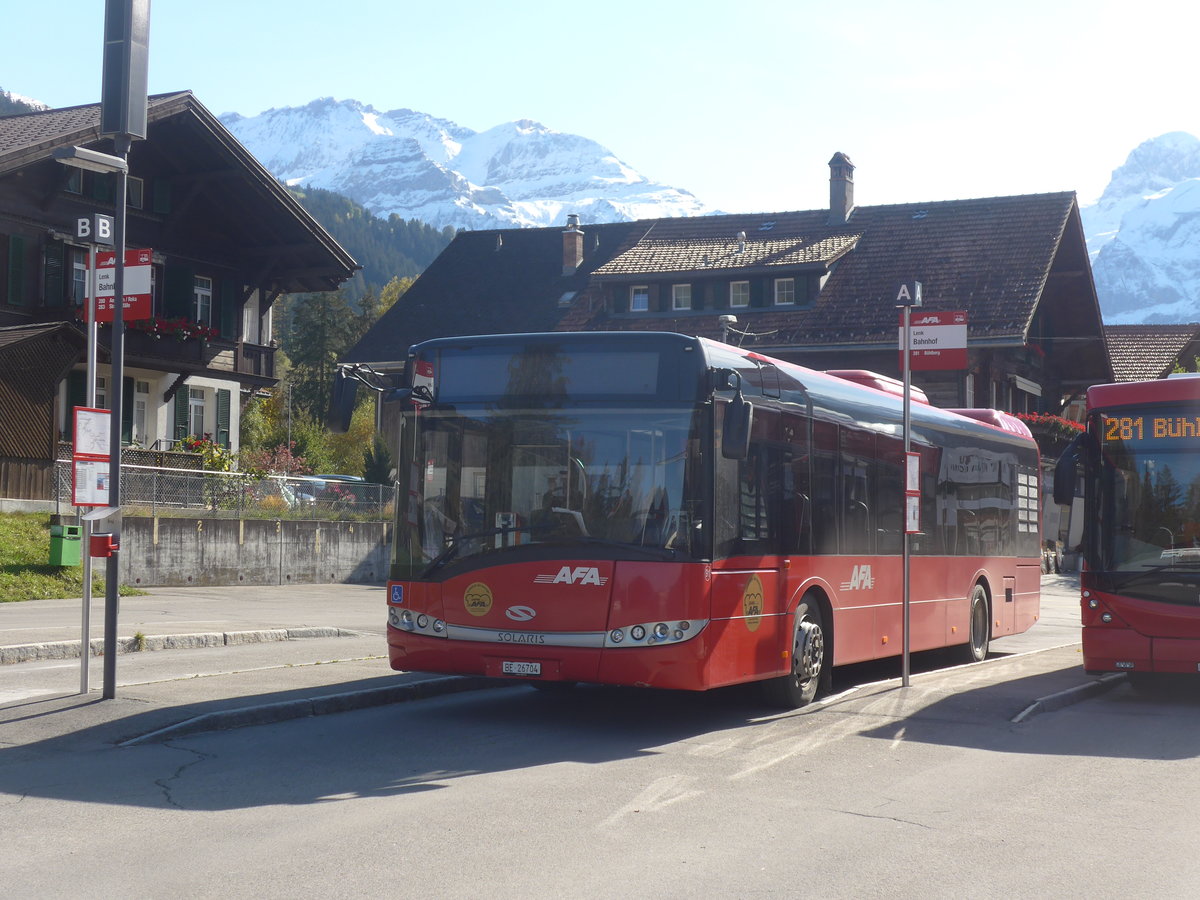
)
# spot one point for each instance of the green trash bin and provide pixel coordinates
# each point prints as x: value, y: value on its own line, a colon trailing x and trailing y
x: 65, y: 544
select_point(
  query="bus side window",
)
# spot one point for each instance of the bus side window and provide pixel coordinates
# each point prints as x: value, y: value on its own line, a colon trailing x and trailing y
x: 857, y: 496
x: 889, y: 495
x: 824, y: 515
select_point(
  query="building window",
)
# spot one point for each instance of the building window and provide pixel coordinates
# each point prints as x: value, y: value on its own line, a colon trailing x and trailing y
x: 74, y: 180
x: 739, y: 294
x: 202, y: 300
x: 681, y: 296
x: 141, y: 400
x: 639, y: 298
x: 196, y: 412
x: 101, y: 392
x: 785, y: 291
x: 79, y: 275
x: 135, y: 192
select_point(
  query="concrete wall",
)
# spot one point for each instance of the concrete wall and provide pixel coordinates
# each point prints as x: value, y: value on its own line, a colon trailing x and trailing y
x: 165, y: 551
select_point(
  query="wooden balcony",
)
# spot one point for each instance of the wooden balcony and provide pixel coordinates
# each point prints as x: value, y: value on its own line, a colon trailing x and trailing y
x: 217, y: 356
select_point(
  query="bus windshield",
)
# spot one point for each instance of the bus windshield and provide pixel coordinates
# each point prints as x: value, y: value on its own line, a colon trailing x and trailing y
x: 495, y: 479
x: 1149, y: 490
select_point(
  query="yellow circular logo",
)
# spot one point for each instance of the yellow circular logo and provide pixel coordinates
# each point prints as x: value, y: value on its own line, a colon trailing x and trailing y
x: 478, y: 599
x: 752, y: 603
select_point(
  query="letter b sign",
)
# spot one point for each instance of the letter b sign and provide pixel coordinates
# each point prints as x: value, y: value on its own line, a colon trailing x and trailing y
x: 95, y: 229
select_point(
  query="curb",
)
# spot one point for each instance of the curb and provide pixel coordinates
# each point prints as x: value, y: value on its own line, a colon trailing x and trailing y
x: 19, y: 653
x: 1069, y: 697
x: 325, y: 704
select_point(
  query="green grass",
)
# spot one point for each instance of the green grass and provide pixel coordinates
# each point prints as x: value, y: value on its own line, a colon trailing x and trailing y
x: 25, y: 573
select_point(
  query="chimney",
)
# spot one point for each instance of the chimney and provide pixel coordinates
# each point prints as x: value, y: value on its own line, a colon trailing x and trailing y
x: 572, y: 246
x: 841, y: 189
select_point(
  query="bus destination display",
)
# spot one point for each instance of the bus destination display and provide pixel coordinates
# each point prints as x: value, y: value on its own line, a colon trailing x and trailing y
x: 1146, y: 427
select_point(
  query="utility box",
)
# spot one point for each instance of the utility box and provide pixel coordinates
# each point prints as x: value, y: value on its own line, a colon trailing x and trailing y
x: 66, y: 542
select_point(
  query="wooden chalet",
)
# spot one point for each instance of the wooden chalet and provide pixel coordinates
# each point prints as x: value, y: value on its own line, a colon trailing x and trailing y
x: 227, y: 240
x: 816, y: 287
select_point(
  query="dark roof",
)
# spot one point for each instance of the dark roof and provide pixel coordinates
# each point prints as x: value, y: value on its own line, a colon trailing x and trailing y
x: 1147, y: 352
x: 990, y: 257
x: 289, y: 250
x: 998, y: 258
x: 492, y: 282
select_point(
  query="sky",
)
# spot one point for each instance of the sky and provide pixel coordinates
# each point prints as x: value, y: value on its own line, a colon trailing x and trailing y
x: 740, y: 103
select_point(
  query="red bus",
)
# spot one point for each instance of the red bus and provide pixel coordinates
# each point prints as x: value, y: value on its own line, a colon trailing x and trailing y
x: 1140, y: 584
x: 666, y: 511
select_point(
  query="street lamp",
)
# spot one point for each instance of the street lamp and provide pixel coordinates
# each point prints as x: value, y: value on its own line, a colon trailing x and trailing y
x: 93, y: 160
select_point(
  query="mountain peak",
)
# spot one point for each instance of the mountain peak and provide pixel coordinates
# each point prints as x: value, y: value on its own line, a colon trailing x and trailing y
x: 411, y: 164
x: 1143, y: 232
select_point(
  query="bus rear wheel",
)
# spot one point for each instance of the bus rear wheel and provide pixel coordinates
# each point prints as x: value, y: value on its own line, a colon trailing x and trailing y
x: 977, y: 647
x: 810, y: 661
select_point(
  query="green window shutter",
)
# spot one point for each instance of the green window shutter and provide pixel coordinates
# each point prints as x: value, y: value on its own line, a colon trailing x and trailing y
x: 223, y: 402
x: 76, y: 396
x: 55, y: 264
x: 16, y: 270
x: 228, y: 317
x: 178, y: 293
x: 181, y: 412
x: 127, y: 411
x: 162, y: 196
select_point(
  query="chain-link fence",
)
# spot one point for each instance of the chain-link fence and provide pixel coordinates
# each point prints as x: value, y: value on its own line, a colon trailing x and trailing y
x: 148, y: 490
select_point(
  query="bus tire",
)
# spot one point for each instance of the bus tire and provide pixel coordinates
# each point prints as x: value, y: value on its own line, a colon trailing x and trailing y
x: 810, y: 660
x: 976, y: 649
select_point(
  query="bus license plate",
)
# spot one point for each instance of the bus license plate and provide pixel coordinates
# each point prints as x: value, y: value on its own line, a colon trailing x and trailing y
x: 520, y: 668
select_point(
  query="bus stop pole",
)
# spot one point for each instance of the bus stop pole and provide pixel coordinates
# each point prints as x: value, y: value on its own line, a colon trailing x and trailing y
x: 85, y: 646
x: 907, y: 446
x: 908, y: 297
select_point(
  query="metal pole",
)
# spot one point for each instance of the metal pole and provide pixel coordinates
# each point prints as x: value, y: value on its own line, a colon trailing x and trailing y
x: 117, y: 348
x: 85, y: 645
x: 907, y: 537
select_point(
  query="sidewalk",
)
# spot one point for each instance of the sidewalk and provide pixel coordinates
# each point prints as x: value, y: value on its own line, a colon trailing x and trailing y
x: 318, y: 649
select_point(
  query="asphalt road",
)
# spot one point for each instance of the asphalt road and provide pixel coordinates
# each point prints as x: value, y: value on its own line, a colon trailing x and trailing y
x: 925, y: 792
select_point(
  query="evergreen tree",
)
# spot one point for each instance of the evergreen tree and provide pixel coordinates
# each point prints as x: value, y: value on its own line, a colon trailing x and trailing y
x: 322, y: 328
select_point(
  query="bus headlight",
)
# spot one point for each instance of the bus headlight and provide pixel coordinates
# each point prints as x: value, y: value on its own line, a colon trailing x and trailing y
x: 637, y: 632
x: 616, y: 635
x: 1093, y: 603
x: 439, y: 626
x: 1106, y: 618
x: 661, y: 631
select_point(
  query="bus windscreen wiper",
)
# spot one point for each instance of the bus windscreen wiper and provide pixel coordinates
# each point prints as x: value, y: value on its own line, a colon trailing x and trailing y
x: 454, y: 541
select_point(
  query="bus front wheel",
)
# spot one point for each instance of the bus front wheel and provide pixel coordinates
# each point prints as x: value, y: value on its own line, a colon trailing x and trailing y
x: 977, y: 647
x: 810, y: 660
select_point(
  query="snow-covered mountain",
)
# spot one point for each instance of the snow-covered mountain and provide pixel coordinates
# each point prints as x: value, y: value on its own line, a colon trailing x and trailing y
x: 1143, y: 235
x: 420, y: 167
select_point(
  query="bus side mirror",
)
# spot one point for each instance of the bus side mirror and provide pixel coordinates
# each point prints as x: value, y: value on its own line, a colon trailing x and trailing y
x: 341, y: 402
x: 735, y: 433
x: 1065, y: 471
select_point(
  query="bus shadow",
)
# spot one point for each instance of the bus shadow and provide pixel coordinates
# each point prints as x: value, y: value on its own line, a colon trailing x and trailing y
x: 415, y: 748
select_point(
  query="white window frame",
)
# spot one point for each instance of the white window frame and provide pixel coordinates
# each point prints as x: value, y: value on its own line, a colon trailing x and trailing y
x: 681, y: 296
x: 196, y: 411
x: 141, y: 403
x: 202, y: 294
x: 79, y: 275
x: 785, y: 287
x: 733, y: 285
x: 639, y: 298
x: 101, y: 392
x: 135, y: 192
